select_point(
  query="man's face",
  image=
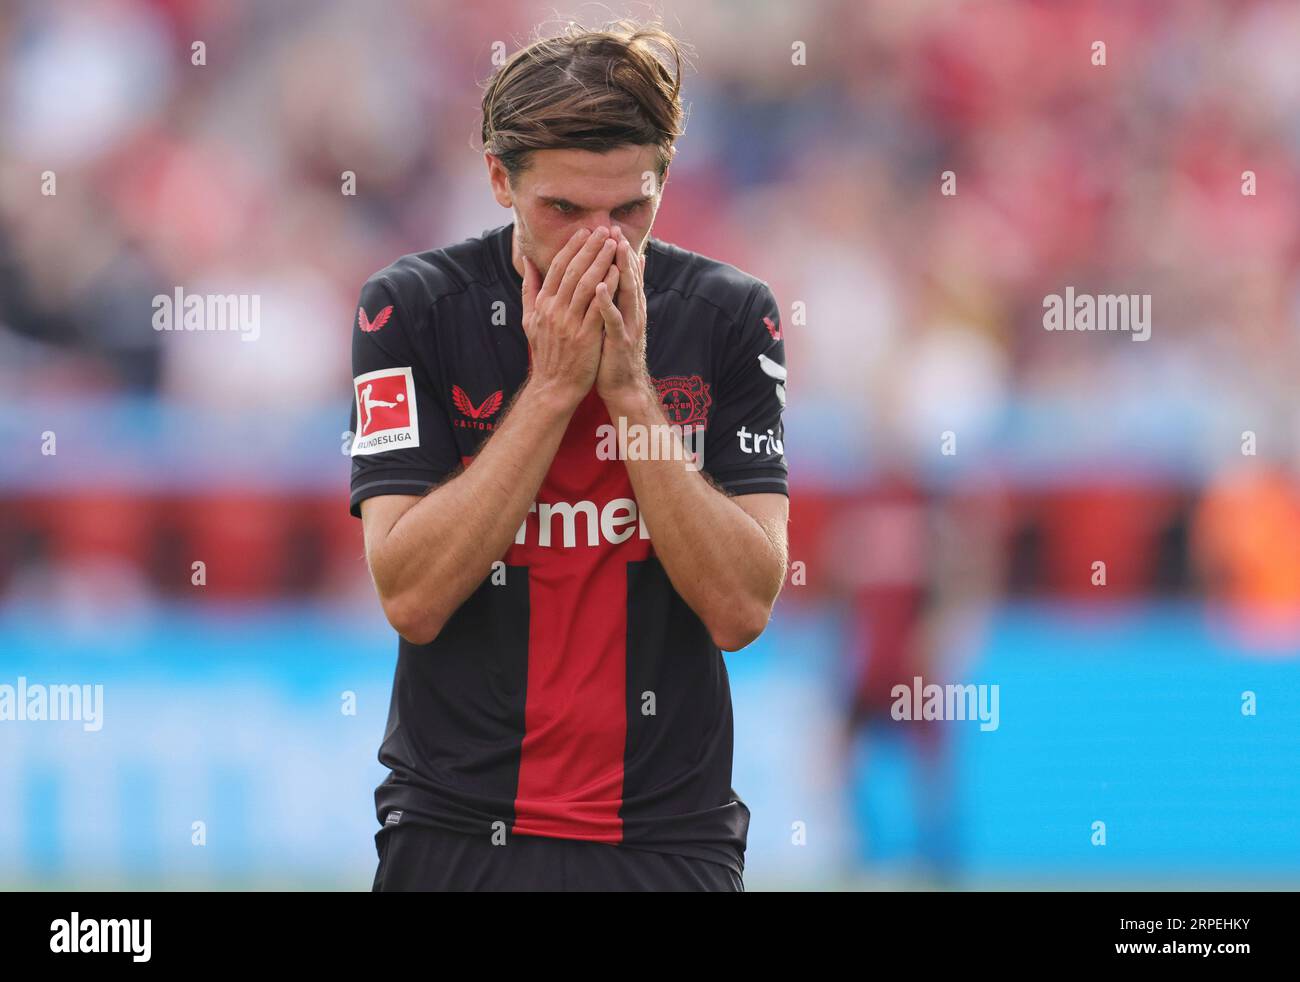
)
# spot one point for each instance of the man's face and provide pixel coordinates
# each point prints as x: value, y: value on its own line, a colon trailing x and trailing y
x: 562, y: 191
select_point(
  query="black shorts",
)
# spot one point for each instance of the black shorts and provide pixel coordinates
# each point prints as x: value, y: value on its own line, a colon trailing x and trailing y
x: 419, y: 857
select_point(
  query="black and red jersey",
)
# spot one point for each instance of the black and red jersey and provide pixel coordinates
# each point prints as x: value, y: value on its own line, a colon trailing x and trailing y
x: 574, y: 694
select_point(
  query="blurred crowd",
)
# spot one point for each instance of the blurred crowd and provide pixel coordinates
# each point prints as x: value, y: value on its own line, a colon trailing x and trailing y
x: 912, y: 177
x: 203, y: 144
x: 923, y: 309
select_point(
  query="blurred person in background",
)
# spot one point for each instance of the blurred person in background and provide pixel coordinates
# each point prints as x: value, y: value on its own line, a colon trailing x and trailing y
x: 920, y: 571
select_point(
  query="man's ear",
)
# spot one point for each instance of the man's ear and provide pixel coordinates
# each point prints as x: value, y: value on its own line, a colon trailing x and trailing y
x: 499, y: 178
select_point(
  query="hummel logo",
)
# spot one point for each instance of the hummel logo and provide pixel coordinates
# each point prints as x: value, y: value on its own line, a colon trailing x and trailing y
x: 479, y: 414
x: 613, y: 523
x: 380, y: 320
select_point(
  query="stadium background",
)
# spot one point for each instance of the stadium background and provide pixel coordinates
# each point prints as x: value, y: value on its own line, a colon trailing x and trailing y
x: 1118, y: 703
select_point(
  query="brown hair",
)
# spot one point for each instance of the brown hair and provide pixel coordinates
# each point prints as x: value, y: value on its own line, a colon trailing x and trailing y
x: 588, y: 90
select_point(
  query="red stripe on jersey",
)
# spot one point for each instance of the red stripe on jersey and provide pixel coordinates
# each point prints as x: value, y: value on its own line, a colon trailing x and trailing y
x: 575, y: 717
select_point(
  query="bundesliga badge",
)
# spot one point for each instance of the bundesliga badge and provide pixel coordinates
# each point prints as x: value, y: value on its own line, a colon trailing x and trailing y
x: 386, y: 412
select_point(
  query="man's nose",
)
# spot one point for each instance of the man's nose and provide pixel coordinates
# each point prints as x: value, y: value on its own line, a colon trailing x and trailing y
x: 604, y: 220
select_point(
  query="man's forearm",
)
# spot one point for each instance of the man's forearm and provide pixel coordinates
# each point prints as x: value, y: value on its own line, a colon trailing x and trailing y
x: 723, y: 563
x: 440, y: 550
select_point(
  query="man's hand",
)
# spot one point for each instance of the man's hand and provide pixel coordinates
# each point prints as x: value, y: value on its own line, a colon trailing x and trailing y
x: 623, y: 370
x: 561, y: 320
x: 428, y: 554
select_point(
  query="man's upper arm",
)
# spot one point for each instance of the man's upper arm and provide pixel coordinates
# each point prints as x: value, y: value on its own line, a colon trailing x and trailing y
x: 403, y: 442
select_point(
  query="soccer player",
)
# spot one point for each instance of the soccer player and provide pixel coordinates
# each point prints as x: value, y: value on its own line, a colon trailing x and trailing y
x: 561, y: 716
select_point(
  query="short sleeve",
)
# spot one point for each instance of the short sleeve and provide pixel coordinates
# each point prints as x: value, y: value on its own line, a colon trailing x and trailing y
x: 402, y: 439
x: 744, y: 450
